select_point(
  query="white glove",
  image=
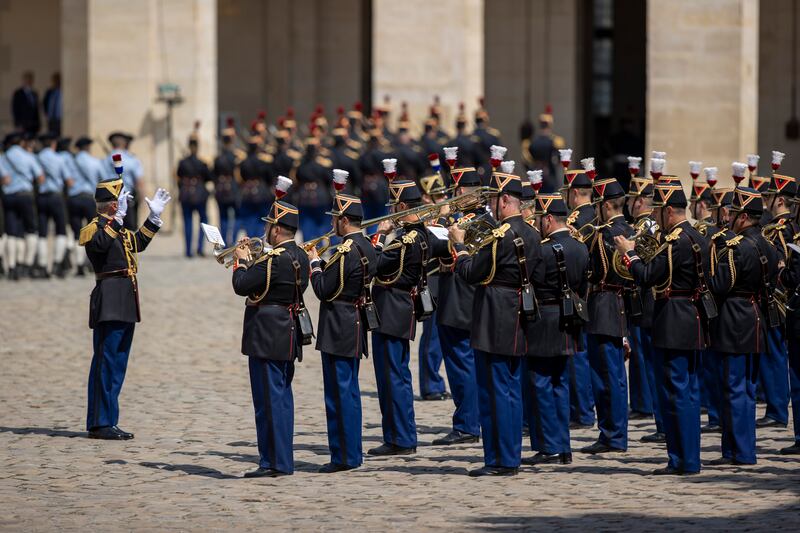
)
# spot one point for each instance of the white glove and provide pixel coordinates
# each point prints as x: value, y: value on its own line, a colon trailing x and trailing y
x: 122, y: 206
x: 157, y: 205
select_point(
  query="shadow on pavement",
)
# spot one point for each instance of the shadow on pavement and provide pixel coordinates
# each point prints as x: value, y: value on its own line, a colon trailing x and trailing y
x: 49, y: 432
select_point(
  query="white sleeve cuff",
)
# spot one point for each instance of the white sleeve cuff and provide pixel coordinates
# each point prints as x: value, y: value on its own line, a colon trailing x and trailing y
x: 155, y: 219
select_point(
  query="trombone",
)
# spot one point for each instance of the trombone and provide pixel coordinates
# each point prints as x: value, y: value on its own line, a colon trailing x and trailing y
x: 310, y: 245
x: 224, y: 256
x: 470, y: 200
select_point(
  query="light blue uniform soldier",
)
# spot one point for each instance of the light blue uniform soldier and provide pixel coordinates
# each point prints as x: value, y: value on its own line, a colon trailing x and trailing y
x: 89, y: 171
x: 50, y: 205
x: 132, y: 178
x: 5, y: 174
x: 17, y: 187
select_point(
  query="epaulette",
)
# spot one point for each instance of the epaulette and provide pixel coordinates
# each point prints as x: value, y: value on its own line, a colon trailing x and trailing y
x: 474, y: 138
x: 674, y: 235
x: 735, y: 241
x: 341, y: 250
x: 266, y: 158
x: 87, y: 232
x: 355, y: 145
x: 409, y: 237
x: 352, y: 154
x: 546, y: 240
x: 239, y: 154
x: 274, y: 252
x: 417, y: 149
x: 294, y: 154
x: 558, y: 141
x: 572, y: 218
x: 718, y: 235
x: 324, y: 161
x: 494, y: 131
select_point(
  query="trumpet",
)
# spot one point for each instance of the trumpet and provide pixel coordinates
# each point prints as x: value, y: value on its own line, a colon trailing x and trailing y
x: 224, y: 256
x: 310, y: 245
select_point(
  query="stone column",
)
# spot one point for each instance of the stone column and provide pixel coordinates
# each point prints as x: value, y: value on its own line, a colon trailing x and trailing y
x: 115, y: 53
x: 702, y: 88
x: 422, y: 49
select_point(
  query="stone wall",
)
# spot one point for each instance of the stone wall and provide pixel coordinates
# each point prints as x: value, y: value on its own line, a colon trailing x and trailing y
x: 702, y: 93
x: 116, y: 52
x: 553, y: 66
x: 280, y: 53
x: 30, y: 38
x: 422, y: 49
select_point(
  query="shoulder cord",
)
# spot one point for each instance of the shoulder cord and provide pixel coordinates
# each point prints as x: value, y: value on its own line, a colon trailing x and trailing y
x: 490, y: 277
x: 392, y: 281
x: 668, y: 283
x: 341, y: 279
x: 260, y: 297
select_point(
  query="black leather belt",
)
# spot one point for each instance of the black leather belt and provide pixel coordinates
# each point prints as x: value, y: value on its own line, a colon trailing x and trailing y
x: 124, y: 273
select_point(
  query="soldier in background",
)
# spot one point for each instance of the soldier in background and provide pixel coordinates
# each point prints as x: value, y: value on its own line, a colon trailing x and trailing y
x: 486, y: 136
x: 257, y: 188
x: 226, y: 186
x: 541, y: 152
x: 193, y: 174
x: 50, y: 204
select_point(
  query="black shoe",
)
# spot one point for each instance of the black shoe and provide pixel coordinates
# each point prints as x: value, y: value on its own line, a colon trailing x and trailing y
x: 493, y: 471
x: 767, y: 422
x: 711, y: 428
x: 2, y: 268
x: 105, y: 433
x: 599, y: 447
x: 455, y: 437
x: 436, y: 396
x: 578, y: 425
x: 391, y: 449
x: 332, y: 468
x: 201, y: 253
x: 549, y: 458
x: 125, y: 435
x: 794, y: 449
x: 66, y: 263
x: 23, y: 271
x: 13, y: 274
x: 80, y: 272
x: 265, y: 472
x: 723, y: 461
x: 669, y: 471
x: 657, y: 438
x: 638, y: 415
x: 40, y: 272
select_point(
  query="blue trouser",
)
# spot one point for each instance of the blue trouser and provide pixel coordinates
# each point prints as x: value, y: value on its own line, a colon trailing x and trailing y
x: 610, y: 388
x: 430, y: 358
x: 794, y: 381
x: 737, y: 375
x: 548, y: 384
x: 112, y: 346
x: 773, y: 374
x: 581, y: 400
x: 271, y: 385
x: 342, y: 408
x: 188, y: 225
x: 650, y: 369
x: 525, y: 390
x: 391, y: 356
x: 640, y: 392
x: 500, y: 408
x: 374, y: 210
x: 709, y: 385
x: 227, y: 225
x: 314, y: 222
x: 250, y: 219
x: 459, y: 361
x: 679, y: 401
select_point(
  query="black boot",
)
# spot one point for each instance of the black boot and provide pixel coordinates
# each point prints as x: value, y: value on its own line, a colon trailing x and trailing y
x: 79, y: 272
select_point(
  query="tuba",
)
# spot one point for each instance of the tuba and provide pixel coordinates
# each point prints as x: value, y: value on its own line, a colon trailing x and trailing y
x: 646, y: 246
x: 255, y: 245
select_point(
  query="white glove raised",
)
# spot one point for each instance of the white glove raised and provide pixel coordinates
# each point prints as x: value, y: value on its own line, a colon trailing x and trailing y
x: 122, y: 206
x: 157, y: 205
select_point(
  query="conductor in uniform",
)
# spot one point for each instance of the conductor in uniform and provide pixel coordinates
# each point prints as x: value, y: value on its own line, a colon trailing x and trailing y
x: 273, y: 285
x: 678, y: 274
x: 608, y: 322
x: 114, y: 303
x: 505, y: 266
x: 554, y: 338
x: 342, y: 285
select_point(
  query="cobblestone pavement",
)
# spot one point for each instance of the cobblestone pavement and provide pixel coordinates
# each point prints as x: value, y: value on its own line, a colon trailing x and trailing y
x: 187, y: 398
